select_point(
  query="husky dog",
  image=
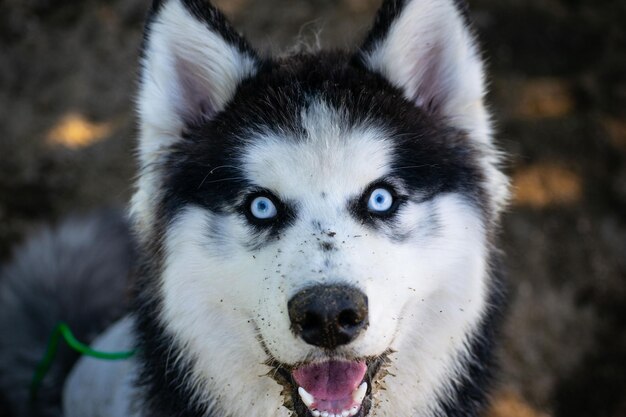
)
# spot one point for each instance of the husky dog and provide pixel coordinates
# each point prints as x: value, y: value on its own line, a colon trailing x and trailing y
x: 316, y: 233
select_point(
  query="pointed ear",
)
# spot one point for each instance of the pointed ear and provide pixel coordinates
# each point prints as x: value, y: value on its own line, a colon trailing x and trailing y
x: 425, y: 48
x: 192, y: 63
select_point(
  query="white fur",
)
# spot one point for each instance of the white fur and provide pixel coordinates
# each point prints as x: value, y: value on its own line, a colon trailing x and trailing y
x: 425, y: 294
x: 349, y: 159
x: 430, y: 55
x: 446, y: 303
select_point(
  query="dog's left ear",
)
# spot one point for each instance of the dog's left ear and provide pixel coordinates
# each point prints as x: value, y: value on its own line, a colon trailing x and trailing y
x: 425, y: 48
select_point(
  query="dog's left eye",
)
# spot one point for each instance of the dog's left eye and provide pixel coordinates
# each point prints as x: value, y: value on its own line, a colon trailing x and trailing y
x: 380, y: 201
x: 263, y: 208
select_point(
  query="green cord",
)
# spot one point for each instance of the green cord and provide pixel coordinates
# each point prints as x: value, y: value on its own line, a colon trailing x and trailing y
x: 62, y: 329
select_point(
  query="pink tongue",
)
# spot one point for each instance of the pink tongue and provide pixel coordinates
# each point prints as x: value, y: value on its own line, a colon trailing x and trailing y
x: 332, y: 380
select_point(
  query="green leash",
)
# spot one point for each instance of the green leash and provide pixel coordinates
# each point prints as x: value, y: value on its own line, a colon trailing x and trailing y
x: 63, y: 330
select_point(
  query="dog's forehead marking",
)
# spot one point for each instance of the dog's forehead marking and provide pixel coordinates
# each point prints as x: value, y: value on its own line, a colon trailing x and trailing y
x: 330, y: 160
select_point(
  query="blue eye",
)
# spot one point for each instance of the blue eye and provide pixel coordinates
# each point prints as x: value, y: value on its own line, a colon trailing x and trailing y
x: 263, y: 208
x: 380, y: 201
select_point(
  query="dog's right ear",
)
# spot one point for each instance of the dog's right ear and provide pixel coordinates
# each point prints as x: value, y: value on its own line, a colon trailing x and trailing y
x: 192, y: 63
x: 427, y: 50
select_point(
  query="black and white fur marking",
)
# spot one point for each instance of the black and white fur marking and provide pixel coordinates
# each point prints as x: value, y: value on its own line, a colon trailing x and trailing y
x: 315, y: 135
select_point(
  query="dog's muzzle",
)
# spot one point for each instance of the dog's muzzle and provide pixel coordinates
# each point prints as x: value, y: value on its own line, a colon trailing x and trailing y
x: 329, y: 316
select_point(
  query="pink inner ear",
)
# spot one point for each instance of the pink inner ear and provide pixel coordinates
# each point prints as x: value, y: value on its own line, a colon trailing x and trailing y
x: 194, y: 103
x: 427, y: 50
x: 429, y: 79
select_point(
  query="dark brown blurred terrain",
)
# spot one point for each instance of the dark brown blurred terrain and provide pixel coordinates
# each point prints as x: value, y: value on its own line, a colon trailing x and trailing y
x: 558, y: 71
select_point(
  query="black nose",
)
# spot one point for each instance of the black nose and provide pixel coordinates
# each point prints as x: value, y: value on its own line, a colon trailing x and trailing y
x: 328, y: 315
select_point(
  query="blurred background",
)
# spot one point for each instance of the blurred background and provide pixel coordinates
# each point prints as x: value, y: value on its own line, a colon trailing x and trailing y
x: 558, y: 92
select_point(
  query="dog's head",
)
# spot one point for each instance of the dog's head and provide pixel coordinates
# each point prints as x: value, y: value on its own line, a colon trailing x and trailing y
x: 321, y: 221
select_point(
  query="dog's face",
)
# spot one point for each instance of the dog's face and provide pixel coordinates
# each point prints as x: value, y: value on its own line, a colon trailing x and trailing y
x: 323, y: 222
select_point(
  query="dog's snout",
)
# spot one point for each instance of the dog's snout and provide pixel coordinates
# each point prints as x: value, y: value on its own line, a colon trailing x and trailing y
x: 328, y: 316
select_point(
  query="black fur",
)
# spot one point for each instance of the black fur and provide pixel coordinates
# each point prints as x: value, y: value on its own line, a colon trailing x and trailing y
x: 430, y: 157
x: 470, y: 392
x: 163, y: 380
x: 387, y: 14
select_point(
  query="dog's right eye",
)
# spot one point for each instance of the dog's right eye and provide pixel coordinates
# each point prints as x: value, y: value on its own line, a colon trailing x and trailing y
x: 263, y: 208
x: 380, y: 201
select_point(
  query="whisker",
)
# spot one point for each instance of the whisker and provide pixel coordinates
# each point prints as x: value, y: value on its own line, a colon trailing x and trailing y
x: 417, y: 166
x: 224, y: 166
x: 212, y: 171
x: 219, y: 180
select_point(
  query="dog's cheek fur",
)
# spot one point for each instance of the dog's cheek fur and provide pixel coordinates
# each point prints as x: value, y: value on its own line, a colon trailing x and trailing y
x: 209, y: 292
x: 447, y: 288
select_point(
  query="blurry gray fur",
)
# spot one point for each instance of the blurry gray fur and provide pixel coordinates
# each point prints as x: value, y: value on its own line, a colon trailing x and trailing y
x: 77, y: 272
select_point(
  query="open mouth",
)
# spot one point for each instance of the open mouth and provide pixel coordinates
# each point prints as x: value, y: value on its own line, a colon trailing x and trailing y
x: 332, y: 388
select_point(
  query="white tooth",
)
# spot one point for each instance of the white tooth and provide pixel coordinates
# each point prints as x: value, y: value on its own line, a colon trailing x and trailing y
x: 307, y: 398
x: 315, y: 413
x: 345, y: 413
x: 324, y: 413
x: 359, y: 393
x: 354, y: 410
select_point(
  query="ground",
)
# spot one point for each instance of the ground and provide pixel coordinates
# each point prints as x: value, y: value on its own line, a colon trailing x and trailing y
x: 558, y: 92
